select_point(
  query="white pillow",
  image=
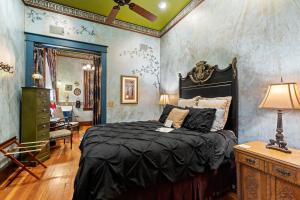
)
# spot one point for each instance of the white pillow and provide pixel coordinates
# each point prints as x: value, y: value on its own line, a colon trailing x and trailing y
x: 222, y: 104
x: 218, y: 123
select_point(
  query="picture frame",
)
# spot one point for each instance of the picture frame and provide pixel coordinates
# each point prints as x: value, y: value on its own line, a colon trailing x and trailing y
x: 129, y: 89
x: 68, y: 88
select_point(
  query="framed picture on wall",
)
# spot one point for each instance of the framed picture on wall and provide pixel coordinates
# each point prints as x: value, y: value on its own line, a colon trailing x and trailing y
x: 129, y: 89
x: 68, y: 88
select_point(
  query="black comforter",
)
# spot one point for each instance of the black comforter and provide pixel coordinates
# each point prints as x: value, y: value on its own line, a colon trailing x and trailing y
x: 121, y: 156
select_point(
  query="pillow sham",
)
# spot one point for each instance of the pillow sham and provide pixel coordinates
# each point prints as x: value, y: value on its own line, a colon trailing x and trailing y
x: 164, y: 115
x: 222, y: 104
x: 200, y: 119
x: 183, y: 103
x: 177, y: 116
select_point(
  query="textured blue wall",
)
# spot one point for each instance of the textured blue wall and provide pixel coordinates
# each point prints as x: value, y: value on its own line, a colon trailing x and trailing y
x: 263, y: 35
x: 11, y: 52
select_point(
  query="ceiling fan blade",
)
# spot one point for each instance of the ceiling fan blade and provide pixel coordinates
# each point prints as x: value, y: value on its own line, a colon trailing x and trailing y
x: 112, y: 15
x: 141, y: 11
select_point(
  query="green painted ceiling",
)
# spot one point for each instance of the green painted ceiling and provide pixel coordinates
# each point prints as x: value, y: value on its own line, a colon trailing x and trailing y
x: 103, y: 7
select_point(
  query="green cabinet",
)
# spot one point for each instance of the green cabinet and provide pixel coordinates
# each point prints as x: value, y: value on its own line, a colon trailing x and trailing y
x: 35, y: 117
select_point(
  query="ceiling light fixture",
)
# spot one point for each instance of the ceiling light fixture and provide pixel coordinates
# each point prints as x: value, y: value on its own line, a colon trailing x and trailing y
x: 162, y: 5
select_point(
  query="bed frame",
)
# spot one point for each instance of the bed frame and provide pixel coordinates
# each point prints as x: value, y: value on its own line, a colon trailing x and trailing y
x: 209, y: 81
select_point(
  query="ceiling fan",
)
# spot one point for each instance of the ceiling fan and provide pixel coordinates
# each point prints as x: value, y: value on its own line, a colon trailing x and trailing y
x: 132, y: 6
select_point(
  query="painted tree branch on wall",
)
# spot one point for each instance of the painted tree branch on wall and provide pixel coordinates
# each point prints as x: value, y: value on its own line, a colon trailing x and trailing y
x: 151, y: 66
x: 36, y: 16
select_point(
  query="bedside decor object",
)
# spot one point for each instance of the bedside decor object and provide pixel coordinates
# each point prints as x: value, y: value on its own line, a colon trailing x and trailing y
x: 77, y: 91
x: 129, y: 89
x: 281, y: 96
x: 164, y: 99
x: 6, y: 68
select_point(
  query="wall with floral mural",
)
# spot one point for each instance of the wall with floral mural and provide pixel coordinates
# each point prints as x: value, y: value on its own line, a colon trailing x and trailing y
x: 128, y: 53
x: 12, y: 53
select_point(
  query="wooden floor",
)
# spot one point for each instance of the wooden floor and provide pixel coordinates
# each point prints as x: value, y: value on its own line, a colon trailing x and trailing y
x: 57, y: 180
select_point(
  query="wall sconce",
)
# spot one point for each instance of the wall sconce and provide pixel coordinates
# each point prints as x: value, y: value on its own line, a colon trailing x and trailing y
x: 7, y: 68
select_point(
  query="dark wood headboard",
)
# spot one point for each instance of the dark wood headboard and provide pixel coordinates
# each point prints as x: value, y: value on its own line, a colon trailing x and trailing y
x: 209, y: 81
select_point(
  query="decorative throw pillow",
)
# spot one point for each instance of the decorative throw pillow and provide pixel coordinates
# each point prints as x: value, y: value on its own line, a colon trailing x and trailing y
x: 183, y: 103
x: 177, y: 116
x: 164, y: 115
x: 219, y: 120
x: 222, y: 104
x: 200, y: 119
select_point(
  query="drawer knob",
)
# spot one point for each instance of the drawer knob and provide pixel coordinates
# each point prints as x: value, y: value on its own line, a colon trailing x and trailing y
x: 44, y: 126
x: 45, y: 110
x: 283, y: 172
x: 250, y: 161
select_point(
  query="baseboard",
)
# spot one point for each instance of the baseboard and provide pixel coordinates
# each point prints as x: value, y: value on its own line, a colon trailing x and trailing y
x: 87, y: 123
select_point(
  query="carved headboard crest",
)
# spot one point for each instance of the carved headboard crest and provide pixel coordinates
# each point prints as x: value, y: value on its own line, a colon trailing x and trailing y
x: 202, y: 72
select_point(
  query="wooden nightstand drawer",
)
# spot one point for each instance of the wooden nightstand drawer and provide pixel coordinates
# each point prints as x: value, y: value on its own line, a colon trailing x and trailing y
x: 252, y: 161
x: 267, y: 174
x: 283, y: 172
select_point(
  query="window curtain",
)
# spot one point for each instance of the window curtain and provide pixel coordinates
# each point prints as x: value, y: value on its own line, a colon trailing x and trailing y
x: 51, y: 65
x: 97, y: 91
x: 39, y: 66
x: 88, y: 78
x: 45, y: 65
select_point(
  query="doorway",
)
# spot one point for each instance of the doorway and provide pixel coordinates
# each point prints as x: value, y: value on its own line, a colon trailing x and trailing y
x: 87, y: 91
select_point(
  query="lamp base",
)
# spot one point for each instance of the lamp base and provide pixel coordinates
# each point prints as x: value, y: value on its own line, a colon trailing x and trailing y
x: 278, y: 148
x: 279, y: 144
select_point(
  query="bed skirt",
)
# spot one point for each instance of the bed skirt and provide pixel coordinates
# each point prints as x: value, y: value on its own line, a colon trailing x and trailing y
x: 207, y: 185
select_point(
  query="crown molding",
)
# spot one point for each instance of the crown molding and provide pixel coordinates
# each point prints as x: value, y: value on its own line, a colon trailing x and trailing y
x: 81, y: 14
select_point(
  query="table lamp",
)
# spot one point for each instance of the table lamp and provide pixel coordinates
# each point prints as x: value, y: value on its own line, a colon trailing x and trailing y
x: 164, y: 99
x: 282, y: 96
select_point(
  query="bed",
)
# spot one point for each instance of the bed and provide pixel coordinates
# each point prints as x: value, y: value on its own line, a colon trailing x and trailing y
x: 132, y: 161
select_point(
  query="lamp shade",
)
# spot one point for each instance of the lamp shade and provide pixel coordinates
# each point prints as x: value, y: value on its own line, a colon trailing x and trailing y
x: 164, y: 99
x: 282, y: 96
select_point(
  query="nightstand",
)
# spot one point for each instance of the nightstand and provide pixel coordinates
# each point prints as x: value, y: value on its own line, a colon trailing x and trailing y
x: 266, y: 174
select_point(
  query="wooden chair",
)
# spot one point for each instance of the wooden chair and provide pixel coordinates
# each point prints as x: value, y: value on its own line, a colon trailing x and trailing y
x: 70, y: 117
x: 63, y: 129
x: 62, y: 134
x: 28, y: 148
